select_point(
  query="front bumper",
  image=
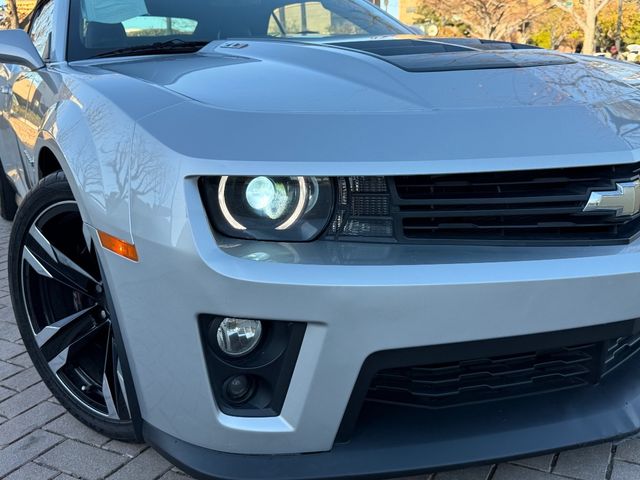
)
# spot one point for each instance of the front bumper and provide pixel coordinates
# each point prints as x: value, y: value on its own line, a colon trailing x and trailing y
x: 355, y: 300
x: 406, y: 442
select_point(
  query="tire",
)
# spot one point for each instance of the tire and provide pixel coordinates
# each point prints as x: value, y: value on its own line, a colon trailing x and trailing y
x: 61, y: 306
x: 8, y: 205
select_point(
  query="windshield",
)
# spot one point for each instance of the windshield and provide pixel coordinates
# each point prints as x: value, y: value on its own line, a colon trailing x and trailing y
x: 104, y: 27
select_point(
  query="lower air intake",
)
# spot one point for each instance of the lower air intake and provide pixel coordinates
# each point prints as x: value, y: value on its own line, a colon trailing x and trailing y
x: 501, y: 377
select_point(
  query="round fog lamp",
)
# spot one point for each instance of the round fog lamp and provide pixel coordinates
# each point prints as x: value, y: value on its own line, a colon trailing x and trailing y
x: 237, y: 336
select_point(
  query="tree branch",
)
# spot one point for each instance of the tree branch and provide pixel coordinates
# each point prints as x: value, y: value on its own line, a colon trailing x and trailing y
x: 562, y: 6
x: 601, y: 5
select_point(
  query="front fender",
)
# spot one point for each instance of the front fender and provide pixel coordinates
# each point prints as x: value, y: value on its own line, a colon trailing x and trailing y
x: 92, y: 143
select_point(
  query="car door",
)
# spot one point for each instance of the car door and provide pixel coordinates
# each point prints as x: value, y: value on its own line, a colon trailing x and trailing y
x: 21, y: 97
x: 41, y: 91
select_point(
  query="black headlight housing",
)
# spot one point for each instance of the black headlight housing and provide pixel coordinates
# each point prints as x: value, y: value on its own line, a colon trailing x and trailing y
x: 272, y: 208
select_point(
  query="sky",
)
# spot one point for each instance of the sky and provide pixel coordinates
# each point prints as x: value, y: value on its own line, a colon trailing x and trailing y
x: 393, y: 7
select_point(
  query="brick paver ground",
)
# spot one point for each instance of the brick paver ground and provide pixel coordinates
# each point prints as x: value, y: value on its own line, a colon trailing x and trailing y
x: 40, y: 441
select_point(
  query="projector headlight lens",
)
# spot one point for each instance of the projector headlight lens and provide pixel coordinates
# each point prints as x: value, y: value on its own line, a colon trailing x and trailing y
x: 237, y: 337
x: 270, y: 208
x: 267, y: 197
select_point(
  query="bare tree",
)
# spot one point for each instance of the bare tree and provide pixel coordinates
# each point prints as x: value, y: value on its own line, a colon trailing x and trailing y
x: 586, y: 17
x: 12, y: 17
x: 619, y: 26
x: 491, y: 19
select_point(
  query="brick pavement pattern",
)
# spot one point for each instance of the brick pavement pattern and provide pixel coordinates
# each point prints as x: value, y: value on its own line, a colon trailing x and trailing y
x: 40, y: 441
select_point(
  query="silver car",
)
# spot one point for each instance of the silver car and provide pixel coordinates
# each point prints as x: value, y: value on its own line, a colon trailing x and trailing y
x: 290, y: 239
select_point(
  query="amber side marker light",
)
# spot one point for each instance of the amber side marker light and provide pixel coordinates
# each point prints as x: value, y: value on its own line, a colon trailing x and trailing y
x: 117, y: 246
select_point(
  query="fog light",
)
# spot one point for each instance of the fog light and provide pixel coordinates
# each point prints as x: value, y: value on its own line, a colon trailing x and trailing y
x: 237, y: 336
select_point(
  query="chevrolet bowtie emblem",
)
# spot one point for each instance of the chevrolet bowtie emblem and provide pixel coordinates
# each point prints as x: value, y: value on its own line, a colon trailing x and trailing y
x: 625, y: 200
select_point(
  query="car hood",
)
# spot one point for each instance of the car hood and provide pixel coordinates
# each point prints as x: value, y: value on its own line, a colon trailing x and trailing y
x: 301, y: 77
x: 446, y: 103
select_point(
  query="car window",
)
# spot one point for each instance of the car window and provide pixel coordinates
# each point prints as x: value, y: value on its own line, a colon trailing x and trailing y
x: 99, y: 27
x: 41, y: 29
x: 147, y: 26
x: 308, y: 19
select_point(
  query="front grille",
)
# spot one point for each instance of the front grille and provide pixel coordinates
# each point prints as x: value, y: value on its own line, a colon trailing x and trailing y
x: 501, y: 377
x: 545, y: 206
x: 498, y: 208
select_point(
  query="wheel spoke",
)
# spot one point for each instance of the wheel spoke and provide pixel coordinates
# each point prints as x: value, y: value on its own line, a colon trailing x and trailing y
x: 52, y: 331
x: 108, y: 398
x: 30, y: 258
x: 57, y: 355
x: 59, y: 360
x: 123, y: 388
x: 112, y: 382
x: 40, y: 239
x: 50, y: 262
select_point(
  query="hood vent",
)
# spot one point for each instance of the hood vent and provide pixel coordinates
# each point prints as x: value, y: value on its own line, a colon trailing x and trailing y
x: 390, y: 48
x: 455, y: 54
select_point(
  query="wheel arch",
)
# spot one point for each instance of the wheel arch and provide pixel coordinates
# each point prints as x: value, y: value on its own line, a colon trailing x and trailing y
x: 49, y: 159
x: 93, y: 150
x: 47, y: 163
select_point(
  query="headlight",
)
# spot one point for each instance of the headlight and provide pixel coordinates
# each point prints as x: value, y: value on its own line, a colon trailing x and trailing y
x: 270, y: 208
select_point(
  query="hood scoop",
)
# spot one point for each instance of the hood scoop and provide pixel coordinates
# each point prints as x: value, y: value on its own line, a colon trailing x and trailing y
x: 455, y: 55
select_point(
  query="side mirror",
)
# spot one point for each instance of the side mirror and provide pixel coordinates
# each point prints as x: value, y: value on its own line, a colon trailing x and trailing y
x: 16, y: 47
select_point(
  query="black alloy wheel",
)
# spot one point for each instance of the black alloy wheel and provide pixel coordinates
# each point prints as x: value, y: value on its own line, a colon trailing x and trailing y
x: 62, y: 309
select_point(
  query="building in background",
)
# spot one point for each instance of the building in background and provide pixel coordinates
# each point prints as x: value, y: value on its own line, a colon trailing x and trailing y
x: 25, y: 7
x: 407, y: 11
